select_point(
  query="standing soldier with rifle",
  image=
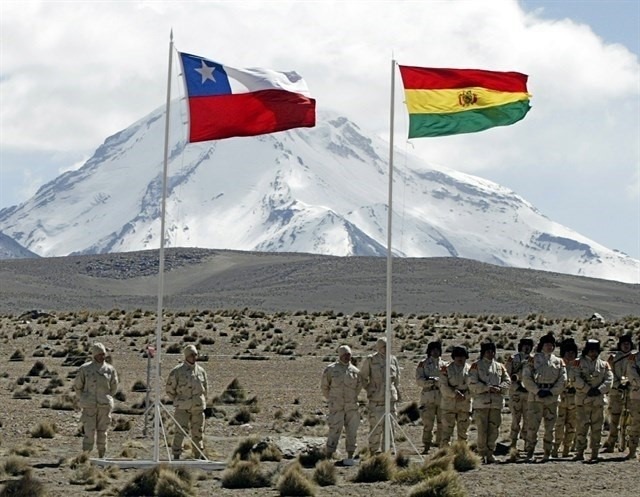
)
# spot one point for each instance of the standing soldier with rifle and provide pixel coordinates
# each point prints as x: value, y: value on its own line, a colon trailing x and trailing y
x: 633, y: 373
x: 518, y: 395
x: 593, y: 379
x: 427, y: 374
x: 456, y: 399
x: 619, y: 391
x: 488, y: 382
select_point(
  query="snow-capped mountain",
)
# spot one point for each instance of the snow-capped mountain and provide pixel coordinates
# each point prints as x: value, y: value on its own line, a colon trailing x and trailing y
x: 10, y: 249
x: 321, y: 190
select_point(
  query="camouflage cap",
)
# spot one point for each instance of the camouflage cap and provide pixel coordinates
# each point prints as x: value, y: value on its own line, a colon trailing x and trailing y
x: 190, y: 349
x: 344, y: 349
x: 98, y: 348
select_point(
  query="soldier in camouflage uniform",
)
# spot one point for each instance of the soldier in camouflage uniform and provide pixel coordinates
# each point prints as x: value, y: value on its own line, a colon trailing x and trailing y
x: 427, y: 374
x: 488, y: 383
x: 633, y: 373
x: 518, y: 395
x: 593, y: 380
x: 373, y: 372
x: 619, y: 390
x: 95, y: 385
x: 187, y: 387
x: 455, y: 405
x: 340, y: 386
x: 566, y: 421
x: 544, y: 377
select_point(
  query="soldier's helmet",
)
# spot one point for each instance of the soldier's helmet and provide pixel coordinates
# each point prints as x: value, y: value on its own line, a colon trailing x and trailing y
x: 190, y: 349
x: 484, y: 347
x: 548, y: 338
x: 344, y: 349
x: 525, y: 341
x: 98, y: 348
x: 434, y: 345
x: 381, y: 344
x: 567, y: 345
x: 459, y: 352
x: 628, y: 338
x: 591, y: 344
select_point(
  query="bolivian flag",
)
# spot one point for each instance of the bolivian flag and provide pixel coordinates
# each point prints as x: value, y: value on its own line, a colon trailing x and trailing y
x: 452, y: 101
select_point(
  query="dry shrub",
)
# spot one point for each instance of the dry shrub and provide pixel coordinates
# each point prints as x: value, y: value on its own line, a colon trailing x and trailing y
x: 402, y: 459
x: 464, y: 459
x: 26, y: 450
x: 245, y: 474
x: 325, y: 473
x: 409, y: 414
x: 410, y: 475
x: 234, y: 393
x: 243, y: 450
x: 241, y: 417
x: 438, y: 464
x: 27, y: 486
x: 85, y: 474
x: 44, y: 430
x: 293, y: 482
x: 377, y: 468
x: 16, y: 465
x: 310, y: 456
x: 446, y: 484
x: 160, y: 480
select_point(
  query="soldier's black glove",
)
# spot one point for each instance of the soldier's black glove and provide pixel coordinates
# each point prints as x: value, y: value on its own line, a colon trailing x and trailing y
x: 571, y: 390
x: 593, y: 392
x: 544, y: 393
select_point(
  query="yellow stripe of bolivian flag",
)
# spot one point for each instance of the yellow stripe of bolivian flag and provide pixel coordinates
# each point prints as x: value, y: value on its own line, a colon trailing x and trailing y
x: 458, y: 100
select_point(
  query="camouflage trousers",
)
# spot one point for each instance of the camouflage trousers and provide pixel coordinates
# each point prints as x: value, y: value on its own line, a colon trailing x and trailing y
x: 614, y: 412
x: 538, y: 411
x: 192, y: 422
x: 431, y: 414
x: 376, y: 416
x: 518, y: 406
x: 634, y: 426
x: 565, y: 427
x: 488, y: 423
x: 95, y: 423
x: 590, y: 418
x: 349, y: 420
x: 454, y: 418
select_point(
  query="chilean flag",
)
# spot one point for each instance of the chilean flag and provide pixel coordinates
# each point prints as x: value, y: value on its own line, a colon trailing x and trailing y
x: 226, y: 102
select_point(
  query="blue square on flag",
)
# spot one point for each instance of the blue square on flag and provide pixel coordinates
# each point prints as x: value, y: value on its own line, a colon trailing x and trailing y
x: 204, y: 77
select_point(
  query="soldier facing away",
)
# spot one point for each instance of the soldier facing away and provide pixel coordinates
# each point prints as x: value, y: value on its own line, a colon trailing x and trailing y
x: 456, y: 400
x: 619, y: 389
x: 427, y: 374
x: 340, y: 386
x: 518, y: 394
x: 95, y: 385
x: 187, y: 387
x: 488, y: 382
x: 373, y: 372
x: 593, y: 379
x: 565, y: 432
x: 544, y: 377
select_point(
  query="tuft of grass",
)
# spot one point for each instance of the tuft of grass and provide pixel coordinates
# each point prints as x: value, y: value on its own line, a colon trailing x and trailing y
x: 245, y: 474
x: 160, y: 481
x: 402, y: 459
x: 241, y: 417
x: 464, y: 459
x: 234, y: 393
x: 377, y: 468
x: 410, y: 475
x: 243, y: 450
x: 16, y: 465
x: 27, y: 486
x: 44, y: 430
x: 325, y: 473
x: 293, y: 482
x: 409, y: 414
x: 310, y: 457
x: 446, y: 484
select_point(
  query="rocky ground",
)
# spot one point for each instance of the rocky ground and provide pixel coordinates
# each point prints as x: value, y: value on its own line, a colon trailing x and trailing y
x: 268, y: 324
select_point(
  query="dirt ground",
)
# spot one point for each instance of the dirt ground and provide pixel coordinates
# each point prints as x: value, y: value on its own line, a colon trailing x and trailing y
x: 277, y: 360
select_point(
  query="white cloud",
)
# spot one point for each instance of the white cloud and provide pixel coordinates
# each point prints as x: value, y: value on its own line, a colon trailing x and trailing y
x: 68, y: 81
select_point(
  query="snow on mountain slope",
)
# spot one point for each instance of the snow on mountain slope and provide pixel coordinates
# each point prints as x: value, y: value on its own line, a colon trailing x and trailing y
x: 320, y: 190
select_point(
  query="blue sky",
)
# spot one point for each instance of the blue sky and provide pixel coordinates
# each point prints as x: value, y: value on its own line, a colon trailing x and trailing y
x: 67, y: 84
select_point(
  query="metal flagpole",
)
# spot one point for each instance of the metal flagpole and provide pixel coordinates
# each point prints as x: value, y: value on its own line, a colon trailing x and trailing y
x: 387, y: 390
x: 156, y: 424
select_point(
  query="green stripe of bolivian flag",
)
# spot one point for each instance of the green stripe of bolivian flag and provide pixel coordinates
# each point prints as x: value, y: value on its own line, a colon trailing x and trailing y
x: 452, y: 101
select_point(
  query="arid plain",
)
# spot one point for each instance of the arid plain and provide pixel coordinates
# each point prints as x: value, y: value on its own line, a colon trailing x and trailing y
x: 272, y: 322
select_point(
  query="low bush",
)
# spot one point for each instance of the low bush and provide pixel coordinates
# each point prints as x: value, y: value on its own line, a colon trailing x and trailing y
x: 27, y: 486
x: 325, y: 473
x: 293, y: 482
x: 446, y: 484
x: 377, y: 468
x: 245, y: 474
x: 44, y: 430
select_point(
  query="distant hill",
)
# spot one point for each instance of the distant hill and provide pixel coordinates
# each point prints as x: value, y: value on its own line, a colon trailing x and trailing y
x: 10, y: 249
x: 217, y: 279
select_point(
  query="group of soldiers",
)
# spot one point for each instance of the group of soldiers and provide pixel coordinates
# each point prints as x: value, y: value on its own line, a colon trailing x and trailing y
x: 97, y: 382
x: 566, y: 394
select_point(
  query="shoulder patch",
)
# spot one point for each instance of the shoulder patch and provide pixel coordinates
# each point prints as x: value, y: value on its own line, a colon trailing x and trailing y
x: 576, y: 363
x: 443, y: 369
x: 474, y: 365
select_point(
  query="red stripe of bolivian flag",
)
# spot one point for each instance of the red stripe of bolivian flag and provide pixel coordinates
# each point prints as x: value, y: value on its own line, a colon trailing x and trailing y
x: 452, y: 101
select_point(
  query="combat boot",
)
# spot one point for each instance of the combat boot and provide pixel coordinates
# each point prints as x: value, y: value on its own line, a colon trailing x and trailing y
x: 579, y: 456
x: 547, y: 455
x: 594, y: 456
x: 426, y: 448
x: 554, y: 452
x: 632, y: 452
x: 529, y: 455
x: 609, y: 446
x: 490, y: 458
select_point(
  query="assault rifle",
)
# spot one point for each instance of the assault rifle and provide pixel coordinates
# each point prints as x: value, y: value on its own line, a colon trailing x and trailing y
x: 625, y: 420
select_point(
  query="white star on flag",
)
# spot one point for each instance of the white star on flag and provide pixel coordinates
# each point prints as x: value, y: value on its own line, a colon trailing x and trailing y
x: 206, y: 72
